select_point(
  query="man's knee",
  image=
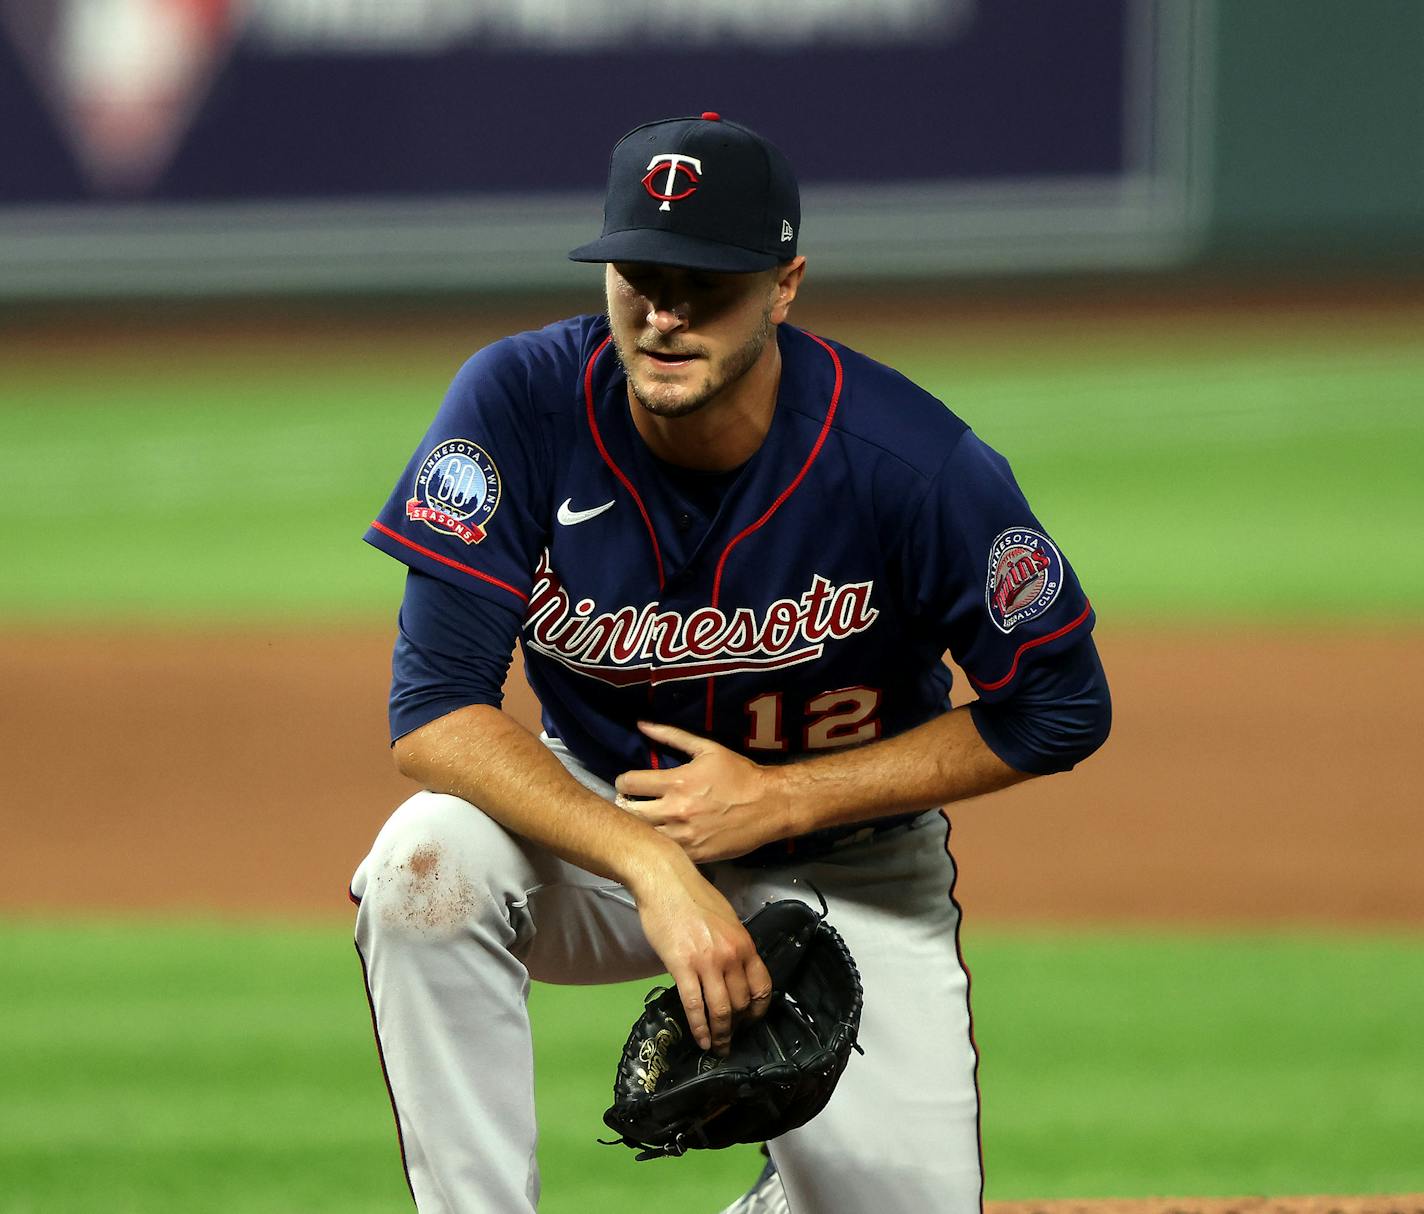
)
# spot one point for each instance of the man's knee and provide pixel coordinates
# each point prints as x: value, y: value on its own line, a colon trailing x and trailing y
x: 438, y: 865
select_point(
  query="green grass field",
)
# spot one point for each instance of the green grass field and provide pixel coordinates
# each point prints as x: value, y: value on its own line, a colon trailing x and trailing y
x: 1189, y: 475
x: 158, y: 1069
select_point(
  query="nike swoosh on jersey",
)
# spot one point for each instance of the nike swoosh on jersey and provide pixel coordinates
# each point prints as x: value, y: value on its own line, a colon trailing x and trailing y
x: 569, y: 516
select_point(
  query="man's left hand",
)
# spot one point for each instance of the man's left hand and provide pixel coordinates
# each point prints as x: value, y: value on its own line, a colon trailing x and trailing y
x: 718, y: 805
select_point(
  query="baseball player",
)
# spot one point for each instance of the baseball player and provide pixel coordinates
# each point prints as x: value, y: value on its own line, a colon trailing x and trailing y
x: 734, y: 553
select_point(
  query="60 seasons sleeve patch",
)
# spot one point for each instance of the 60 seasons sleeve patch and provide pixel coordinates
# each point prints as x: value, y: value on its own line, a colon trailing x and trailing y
x: 456, y: 490
x: 1025, y: 576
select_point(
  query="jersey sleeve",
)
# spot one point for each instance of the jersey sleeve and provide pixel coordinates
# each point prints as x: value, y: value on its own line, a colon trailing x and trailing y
x: 453, y: 649
x: 984, y: 577
x: 470, y: 507
x: 1059, y: 714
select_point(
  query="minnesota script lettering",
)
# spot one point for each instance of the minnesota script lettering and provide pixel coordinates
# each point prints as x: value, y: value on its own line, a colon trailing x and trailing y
x: 629, y: 645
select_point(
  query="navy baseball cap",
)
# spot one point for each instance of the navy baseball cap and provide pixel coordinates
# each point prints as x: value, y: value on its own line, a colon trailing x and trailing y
x: 700, y: 193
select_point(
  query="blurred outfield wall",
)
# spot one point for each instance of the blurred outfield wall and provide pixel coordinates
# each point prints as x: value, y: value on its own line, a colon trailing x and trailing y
x: 222, y: 146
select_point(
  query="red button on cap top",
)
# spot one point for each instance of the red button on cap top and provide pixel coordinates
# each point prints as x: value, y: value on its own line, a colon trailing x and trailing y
x: 712, y: 115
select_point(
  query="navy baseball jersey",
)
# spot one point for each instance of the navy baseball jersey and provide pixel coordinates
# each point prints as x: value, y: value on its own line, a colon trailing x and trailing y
x: 800, y: 602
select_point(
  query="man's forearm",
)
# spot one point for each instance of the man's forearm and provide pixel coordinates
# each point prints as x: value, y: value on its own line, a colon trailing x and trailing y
x: 941, y: 761
x: 482, y: 755
x: 486, y: 758
x: 722, y: 804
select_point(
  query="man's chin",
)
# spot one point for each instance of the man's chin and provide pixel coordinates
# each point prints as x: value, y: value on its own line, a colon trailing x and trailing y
x: 668, y: 400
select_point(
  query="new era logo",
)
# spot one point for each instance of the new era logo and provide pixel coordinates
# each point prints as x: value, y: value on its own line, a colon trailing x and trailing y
x: 787, y: 233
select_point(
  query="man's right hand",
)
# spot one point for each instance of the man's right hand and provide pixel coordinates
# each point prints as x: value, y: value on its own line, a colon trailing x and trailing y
x: 694, y: 930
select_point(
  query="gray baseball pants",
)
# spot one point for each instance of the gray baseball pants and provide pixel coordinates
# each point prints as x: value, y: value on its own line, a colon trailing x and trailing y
x: 456, y: 916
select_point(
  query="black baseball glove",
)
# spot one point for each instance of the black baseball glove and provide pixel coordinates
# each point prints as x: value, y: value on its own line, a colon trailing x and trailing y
x: 669, y: 1096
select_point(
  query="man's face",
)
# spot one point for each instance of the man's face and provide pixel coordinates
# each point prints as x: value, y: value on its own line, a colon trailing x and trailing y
x: 685, y: 335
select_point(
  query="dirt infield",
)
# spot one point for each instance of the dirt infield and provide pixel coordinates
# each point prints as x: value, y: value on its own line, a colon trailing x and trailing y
x: 1250, y: 779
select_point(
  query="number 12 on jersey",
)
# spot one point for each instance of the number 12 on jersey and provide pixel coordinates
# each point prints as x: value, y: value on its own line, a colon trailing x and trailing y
x: 833, y: 718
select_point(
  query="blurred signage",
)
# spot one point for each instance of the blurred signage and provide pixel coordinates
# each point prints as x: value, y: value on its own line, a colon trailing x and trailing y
x: 280, y: 98
x: 122, y: 78
x: 164, y: 138
x: 425, y: 25
x: 125, y: 78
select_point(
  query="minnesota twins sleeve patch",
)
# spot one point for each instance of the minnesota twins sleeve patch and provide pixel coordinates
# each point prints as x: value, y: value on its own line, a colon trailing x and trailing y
x: 456, y: 490
x: 1025, y: 576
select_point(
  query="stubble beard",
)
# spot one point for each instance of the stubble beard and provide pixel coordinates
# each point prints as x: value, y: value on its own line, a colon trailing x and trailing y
x: 671, y: 400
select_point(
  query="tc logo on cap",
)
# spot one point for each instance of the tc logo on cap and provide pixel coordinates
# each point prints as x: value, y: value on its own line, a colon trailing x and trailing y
x: 689, y: 166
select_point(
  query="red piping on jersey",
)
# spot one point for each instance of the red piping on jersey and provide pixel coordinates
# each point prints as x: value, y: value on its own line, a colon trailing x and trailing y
x: 628, y: 485
x: 608, y: 459
x: 785, y: 493
x: 445, y: 560
x: 1025, y: 647
x: 652, y: 750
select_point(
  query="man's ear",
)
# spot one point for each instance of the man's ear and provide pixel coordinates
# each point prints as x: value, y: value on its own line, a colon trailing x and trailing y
x: 788, y: 282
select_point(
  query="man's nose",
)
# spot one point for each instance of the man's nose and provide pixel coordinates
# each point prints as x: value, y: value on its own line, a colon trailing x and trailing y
x: 665, y: 316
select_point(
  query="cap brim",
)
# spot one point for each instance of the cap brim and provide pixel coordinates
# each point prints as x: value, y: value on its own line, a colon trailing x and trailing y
x: 673, y: 249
